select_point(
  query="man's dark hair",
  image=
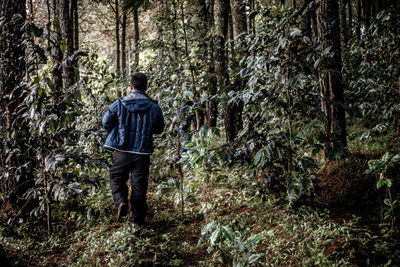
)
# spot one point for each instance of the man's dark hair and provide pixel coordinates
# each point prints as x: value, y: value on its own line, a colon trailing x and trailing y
x: 139, y: 81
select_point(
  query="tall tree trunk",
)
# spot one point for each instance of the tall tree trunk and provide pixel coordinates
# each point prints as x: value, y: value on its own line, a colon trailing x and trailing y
x: 75, y: 37
x: 367, y: 13
x: 137, y: 37
x: 359, y: 19
x: 212, y: 110
x: 331, y: 86
x: 57, y: 54
x: 294, y: 4
x: 233, y: 112
x: 123, y: 42
x: 343, y: 30
x: 67, y: 35
x: 75, y: 21
x: 221, y: 70
x: 350, y: 10
x: 49, y: 23
x: 12, y: 54
x: 118, y: 66
x: 12, y: 71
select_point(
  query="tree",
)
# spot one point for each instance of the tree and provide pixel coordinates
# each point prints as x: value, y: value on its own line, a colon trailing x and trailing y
x: 68, y: 37
x: 233, y: 111
x: 12, y: 54
x: 12, y: 72
x: 124, y: 25
x: 75, y: 23
x: 331, y: 86
x: 136, y: 27
x: 56, y: 53
x: 221, y: 70
x: 117, y: 22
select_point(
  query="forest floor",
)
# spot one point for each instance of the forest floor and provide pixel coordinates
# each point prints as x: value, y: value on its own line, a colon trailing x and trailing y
x: 266, y: 232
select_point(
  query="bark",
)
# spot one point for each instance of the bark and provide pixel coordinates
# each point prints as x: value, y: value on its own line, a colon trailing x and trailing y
x: 12, y: 53
x: 350, y: 9
x: 212, y: 110
x: 366, y: 4
x: 343, y: 30
x: 67, y: 35
x: 233, y: 112
x: 57, y: 54
x: 137, y: 37
x: 359, y: 20
x: 12, y: 71
x: 294, y: 4
x: 331, y: 87
x: 75, y: 21
x: 118, y: 66
x: 123, y: 42
x: 48, y: 22
x: 221, y: 28
x: 75, y: 26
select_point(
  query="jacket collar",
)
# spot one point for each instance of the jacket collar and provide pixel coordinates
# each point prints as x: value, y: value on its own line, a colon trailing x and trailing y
x: 136, y: 94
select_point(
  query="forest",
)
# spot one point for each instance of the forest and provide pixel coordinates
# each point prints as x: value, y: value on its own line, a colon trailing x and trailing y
x: 292, y: 156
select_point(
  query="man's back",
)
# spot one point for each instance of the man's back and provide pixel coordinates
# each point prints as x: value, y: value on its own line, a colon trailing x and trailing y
x: 131, y: 122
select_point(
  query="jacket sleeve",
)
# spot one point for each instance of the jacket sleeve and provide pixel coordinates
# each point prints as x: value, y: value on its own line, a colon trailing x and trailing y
x: 159, y: 124
x: 110, y: 119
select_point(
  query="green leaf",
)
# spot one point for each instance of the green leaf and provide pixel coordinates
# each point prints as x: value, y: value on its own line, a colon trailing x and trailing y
x: 385, y: 157
x: 229, y: 233
x: 214, y: 238
x: 209, y: 227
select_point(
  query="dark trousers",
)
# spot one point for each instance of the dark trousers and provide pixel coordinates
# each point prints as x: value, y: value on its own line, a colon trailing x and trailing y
x: 123, y: 165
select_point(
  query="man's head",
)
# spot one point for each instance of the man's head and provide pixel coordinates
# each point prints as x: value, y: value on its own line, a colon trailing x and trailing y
x: 139, y: 81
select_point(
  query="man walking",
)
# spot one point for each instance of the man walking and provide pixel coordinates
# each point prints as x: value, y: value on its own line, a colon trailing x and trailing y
x: 130, y: 122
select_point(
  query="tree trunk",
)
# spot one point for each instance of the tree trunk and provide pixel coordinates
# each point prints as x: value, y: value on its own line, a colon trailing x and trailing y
x: 12, y: 54
x: 367, y: 13
x: 75, y: 38
x: 359, y: 20
x: 12, y: 71
x: 136, y: 26
x: 212, y: 110
x: 350, y: 28
x: 294, y: 4
x: 233, y: 112
x: 123, y: 42
x: 331, y: 86
x: 49, y: 23
x: 118, y: 66
x: 343, y: 30
x: 75, y: 21
x: 67, y: 35
x: 221, y: 70
x: 57, y: 54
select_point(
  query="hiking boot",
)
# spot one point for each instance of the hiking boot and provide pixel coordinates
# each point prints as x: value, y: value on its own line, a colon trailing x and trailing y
x: 122, y: 210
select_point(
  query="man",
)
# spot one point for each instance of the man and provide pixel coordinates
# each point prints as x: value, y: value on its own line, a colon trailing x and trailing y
x: 130, y: 122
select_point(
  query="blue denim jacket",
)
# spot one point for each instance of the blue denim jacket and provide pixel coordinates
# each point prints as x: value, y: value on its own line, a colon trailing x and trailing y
x: 131, y: 122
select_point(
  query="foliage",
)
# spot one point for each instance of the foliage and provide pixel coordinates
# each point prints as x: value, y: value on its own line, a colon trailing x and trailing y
x: 383, y: 167
x: 373, y: 74
x: 234, y: 249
